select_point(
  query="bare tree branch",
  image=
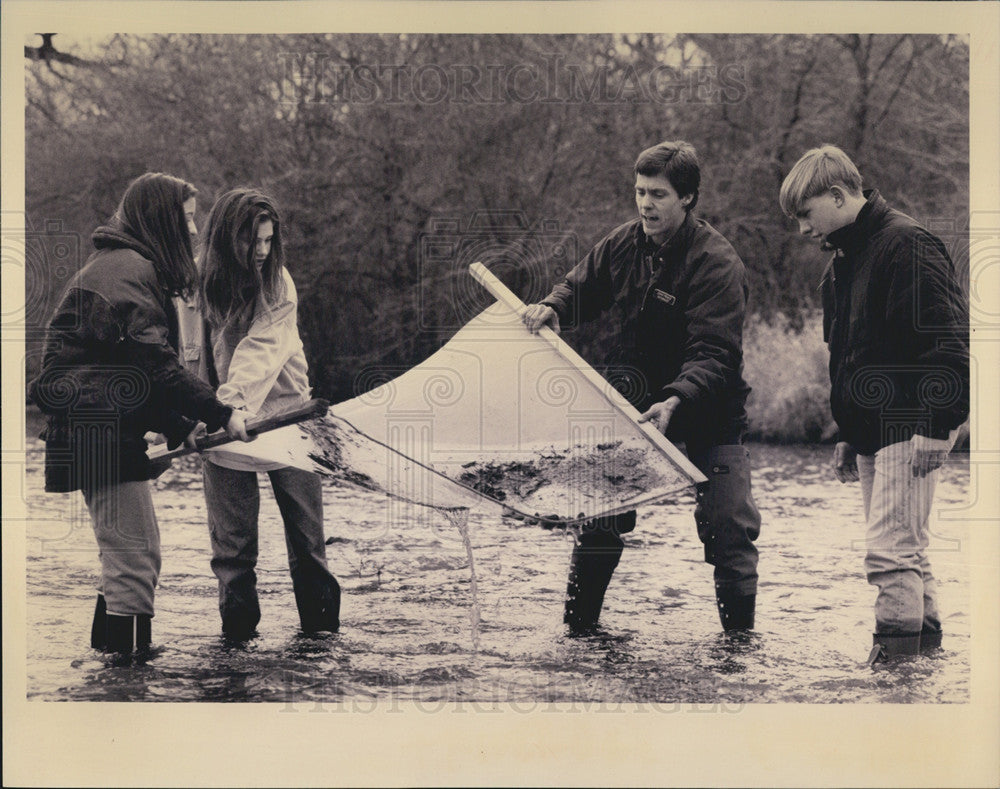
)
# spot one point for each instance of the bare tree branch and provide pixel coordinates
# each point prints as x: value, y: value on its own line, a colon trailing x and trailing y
x: 917, y: 52
x: 49, y: 54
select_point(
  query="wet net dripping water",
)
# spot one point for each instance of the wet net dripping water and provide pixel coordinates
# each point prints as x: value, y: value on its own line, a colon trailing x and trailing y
x: 338, y: 452
x: 459, y: 518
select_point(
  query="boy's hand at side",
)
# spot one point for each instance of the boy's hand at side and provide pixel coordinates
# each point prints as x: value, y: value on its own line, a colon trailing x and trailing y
x: 929, y: 453
x: 845, y: 462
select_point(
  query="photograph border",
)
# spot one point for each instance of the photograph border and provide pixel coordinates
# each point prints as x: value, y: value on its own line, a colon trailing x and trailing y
x: 207, y: 744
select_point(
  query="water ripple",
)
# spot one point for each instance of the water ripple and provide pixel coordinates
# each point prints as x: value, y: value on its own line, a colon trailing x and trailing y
x: 407, y: 635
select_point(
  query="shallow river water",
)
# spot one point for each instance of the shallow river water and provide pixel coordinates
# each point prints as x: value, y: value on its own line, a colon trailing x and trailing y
x: 411, y: 631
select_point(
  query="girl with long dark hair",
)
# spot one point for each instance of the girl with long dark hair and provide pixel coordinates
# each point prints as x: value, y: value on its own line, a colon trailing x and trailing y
x: 249, y: 302
x: 111, y: 374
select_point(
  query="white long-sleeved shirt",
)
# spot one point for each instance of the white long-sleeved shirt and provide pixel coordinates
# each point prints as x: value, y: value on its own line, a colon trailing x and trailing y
x: 263, y: 369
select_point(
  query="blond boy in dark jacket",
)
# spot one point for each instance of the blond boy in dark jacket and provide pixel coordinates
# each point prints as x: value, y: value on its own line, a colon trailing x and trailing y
x: 895, y: 320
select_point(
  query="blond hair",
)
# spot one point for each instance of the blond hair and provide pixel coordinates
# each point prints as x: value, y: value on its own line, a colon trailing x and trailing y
x: 814, y: 173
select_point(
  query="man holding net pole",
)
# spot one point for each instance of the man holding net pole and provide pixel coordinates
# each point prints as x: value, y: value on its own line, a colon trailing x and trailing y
x: 679, y: 290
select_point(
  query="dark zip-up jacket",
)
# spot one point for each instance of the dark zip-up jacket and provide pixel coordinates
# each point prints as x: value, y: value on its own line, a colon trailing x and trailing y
x: 681, y: 308
x: 110, y: 372
x: 897, y: 325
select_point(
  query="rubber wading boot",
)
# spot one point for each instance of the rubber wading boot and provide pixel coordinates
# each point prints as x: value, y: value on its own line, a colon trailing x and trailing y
x: 240, y: 624
x: 736, y: 612
x: 593, y: 563
x: 930, y: 640
x: 886, y: 646
x: 320, y: 614
x: 128, y: 635
x: 99, y: 629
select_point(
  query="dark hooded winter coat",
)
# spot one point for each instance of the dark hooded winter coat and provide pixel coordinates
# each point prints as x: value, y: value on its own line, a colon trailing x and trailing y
x: 110, y: 372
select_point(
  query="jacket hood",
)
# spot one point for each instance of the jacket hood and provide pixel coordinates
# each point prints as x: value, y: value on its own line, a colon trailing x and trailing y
x: 109, y: 237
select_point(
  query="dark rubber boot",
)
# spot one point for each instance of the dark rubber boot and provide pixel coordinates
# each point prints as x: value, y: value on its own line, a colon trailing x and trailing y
x: 128, y: 636
x: 99, y: 628
x: 320, y: 613
x: 240, y: 624
x: 930, y: 640
x: 888, y: 646
x: 736, y: 612
x: 594, y: 560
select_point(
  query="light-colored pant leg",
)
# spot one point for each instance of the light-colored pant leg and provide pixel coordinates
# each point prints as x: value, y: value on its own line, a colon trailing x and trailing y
x: 128, y: 542
x: 932, y: 617
x: 897, y: 513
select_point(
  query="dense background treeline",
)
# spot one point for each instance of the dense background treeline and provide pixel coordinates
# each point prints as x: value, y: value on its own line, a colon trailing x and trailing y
x: 400, y: 159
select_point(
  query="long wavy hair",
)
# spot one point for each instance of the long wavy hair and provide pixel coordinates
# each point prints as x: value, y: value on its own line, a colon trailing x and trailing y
x: 152, y: 212
x: 231, y: 283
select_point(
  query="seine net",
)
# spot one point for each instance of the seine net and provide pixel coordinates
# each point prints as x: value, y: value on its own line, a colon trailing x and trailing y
x: 498, y: 416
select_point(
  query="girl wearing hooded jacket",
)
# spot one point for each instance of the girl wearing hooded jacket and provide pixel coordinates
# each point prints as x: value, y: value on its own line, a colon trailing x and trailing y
x: 255, y: 357
x: 111, y: 374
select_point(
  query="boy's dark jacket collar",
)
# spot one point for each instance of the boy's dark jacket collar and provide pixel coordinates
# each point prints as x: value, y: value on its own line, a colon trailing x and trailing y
x: 869, y: 219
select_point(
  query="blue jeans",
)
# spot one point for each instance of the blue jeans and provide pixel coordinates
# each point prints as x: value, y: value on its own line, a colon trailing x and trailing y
x: 897, y: 514
x: 233, y: 499
x: 128, y: 543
